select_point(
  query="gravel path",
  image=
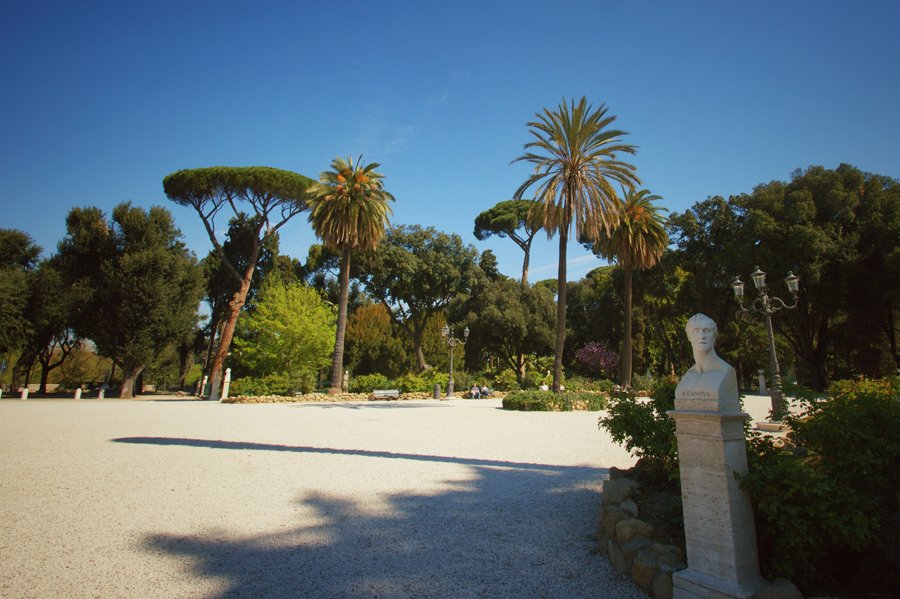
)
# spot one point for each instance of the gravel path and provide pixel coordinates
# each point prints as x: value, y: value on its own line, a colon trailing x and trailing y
x: 382, y: 499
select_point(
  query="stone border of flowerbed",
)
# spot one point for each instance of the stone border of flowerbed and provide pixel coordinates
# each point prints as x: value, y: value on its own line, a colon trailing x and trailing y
x: 629, y: 543
x: 633, y: 550
x: 341, y: 397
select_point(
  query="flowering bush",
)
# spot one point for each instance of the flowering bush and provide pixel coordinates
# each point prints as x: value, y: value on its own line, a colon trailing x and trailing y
x: 597, y: 357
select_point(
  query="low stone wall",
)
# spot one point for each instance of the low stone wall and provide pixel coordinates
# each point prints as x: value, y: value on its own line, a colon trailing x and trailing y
x: 630, y: 544
x: 325, y: 398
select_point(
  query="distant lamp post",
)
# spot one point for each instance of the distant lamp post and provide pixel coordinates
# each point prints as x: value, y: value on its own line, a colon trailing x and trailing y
x: 448, y: 334
x: 767, y: 306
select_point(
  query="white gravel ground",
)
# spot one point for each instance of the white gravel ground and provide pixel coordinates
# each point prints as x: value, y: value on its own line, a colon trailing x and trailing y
x: 383, y: 499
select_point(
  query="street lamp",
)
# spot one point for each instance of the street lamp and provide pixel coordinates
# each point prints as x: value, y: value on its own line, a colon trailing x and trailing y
x: 448, y: 334
x: 767, y: 306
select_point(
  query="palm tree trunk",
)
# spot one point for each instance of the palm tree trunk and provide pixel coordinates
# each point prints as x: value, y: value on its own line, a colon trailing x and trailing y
x: 560, y: 311
x: 626, y: 343
x: 337, y: 361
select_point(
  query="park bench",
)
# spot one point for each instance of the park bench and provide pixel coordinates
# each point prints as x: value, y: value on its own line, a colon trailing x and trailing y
x: 385, y: 394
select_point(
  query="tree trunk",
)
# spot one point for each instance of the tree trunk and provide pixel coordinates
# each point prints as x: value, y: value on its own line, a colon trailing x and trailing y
x: 128, y: 380
x: 231, y: 316
x: 186, y: 351
x: 22, y: 370
x: 420, y: 356
x: 626, y: 342
x: 214, y: 327
x: 560, y: 311
x: 337, y: 360
x: 525, y: 266
x: 45, y: 374
x: 891, y: 332
x: 520, y: 367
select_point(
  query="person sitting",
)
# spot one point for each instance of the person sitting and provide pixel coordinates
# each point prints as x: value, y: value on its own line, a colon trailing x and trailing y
x: 474, y: 392
x: 485, y: 392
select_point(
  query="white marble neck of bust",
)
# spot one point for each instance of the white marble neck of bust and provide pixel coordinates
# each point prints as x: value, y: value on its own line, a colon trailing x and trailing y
x: 706, y: 360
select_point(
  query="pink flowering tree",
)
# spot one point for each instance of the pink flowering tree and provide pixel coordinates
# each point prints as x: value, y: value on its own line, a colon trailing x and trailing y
x: 597, y: 357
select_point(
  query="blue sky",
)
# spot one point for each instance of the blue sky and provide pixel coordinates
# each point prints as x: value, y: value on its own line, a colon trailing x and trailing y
x: 101, y: 100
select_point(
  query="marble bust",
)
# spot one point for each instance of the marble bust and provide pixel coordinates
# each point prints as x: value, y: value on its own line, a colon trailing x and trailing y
x: 710, y: 384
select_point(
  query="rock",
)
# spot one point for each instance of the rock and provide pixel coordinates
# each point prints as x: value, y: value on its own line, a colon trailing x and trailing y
x: 617, y: 490
x: 630, y: 528
x: 670, y: 557
x: 631, y: 549
x: 629, y: 507
x: 616, y: 557
x: 610, y: 518
x: 781, y: 588
x: 645, y: 568
x: 662, y: 585
x: 617, y: 472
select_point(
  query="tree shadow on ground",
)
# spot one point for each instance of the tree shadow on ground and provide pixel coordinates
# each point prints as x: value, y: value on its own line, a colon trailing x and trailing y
x: 512, y: 530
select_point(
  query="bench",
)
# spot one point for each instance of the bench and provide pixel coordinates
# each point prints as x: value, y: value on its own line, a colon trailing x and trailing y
x: 385, y: 394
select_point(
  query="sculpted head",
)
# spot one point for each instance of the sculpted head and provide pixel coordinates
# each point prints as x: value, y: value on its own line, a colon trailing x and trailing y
x: 701, y: 332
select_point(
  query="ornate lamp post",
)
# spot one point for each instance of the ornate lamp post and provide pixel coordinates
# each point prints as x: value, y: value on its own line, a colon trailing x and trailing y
x: 767, y: 306
x: 452, y: 341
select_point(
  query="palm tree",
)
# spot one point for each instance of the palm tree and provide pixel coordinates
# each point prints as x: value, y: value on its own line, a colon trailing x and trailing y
x: 349, y: 211
x: 575, y: 158
x: 637, y: 241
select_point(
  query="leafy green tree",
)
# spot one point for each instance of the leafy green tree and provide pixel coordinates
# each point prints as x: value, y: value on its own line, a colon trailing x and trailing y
x: 576, y: 160
x: 18, y: 258
x: 487, y: 262
x: 509, y: 321
x: 349, y: 210
x: 636, y: 241
x: 660, y: 291
x: 821, y: 225
x: 221, y: 284
x: 837, y: 230
x: 272, y: 197
x: 289, y: 330
x: 594, y: 312
x: 517, y: 219
x: 49, y: 340
x: 372, y: 345
x: 869, y: 335
x: 136, y: 287
x: 18, y: 250
x: 414, y: 273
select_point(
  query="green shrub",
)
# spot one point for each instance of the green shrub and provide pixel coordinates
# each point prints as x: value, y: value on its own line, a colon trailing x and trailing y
x: 828, y: 506
x: 433, y: 377
x: 643, y: 382
x: 582, y: 383
x: 546, y: 401
x: 369, y: 382
x: 277, y: 383
x: 643, y: 426
x: 506, y: 381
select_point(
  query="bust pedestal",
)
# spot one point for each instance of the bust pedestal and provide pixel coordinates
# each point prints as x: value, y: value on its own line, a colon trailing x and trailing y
x: 718, y: 520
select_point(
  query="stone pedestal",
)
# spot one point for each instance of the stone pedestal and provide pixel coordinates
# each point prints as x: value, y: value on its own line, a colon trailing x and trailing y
x: 718, y: 520
x: 226, y: 385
